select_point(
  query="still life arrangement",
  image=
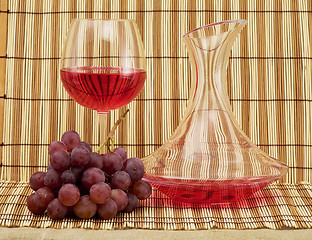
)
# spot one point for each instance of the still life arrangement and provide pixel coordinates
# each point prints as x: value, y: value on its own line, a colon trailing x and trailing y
x: 207, y: 160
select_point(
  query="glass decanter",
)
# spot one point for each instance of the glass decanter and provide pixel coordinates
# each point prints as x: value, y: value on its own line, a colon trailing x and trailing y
x: 209, y: 159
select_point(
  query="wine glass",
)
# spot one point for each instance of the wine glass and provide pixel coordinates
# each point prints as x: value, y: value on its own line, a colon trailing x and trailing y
x: 103, y: 65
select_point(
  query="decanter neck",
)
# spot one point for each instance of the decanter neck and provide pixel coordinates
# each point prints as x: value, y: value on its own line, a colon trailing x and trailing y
x: 209, y: 49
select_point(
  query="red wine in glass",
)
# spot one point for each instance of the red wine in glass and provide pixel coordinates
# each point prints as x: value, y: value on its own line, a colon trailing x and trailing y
x: 103, y: 88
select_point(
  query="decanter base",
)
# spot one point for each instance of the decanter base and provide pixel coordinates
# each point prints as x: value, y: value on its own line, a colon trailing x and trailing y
x: 209, y: 192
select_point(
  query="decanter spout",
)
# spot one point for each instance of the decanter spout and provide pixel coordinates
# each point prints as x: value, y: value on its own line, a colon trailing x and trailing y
x: 209, y: 49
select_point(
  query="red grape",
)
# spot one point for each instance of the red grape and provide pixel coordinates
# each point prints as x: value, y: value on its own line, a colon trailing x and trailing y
x: 49, y: 167
x: 56, y: 210
x: 69, y: 194
x: 60, y: 160
x: 68, y: 177
x: 77, y: 171
x: 71, y: 139
x: 83, y: 190
x: 142, y: 189
x: 52, y: 179
x: 55, y: 192
x: 55, y: 146
x: 92, y: 176
x: 121, y: 180
x: 80, y: 156
x: 33, y: 206
x: 120, y: 198
x: 122, y: 153
x: 96, y: 160
x: 107, y: 210
x: 36, y: 180
x: 86, y: 145
x: 70, y: 212
x: 112, y: 162
x: 44, y: 196
x: 135, y: 168
x: 85, y: 208
x: 100, y: 192
x: 132, y: 203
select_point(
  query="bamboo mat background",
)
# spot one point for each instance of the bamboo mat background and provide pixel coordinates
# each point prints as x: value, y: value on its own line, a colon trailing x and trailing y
x: 269, y: 85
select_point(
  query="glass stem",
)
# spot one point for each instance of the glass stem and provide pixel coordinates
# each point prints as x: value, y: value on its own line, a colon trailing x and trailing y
x: 109, y: 137
x: 103, y: 118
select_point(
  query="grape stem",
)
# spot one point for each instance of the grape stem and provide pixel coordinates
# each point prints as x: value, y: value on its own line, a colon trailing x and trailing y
x: 109, y: 137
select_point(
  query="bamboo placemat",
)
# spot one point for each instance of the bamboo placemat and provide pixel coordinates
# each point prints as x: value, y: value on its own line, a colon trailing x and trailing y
x: 269, y: 85
x: 275, y: 207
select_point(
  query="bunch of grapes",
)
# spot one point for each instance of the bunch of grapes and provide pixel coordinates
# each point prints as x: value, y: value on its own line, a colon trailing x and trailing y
x: 82, y: 183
